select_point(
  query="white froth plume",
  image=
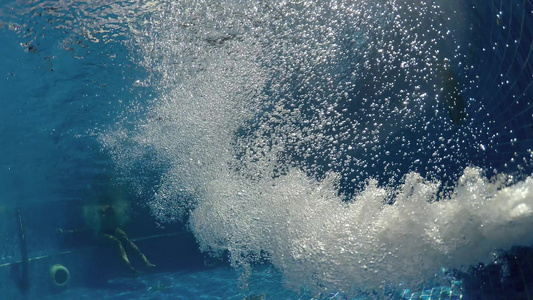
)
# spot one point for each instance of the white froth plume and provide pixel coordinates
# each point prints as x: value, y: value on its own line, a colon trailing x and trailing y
x: 315, y: 238
x: 254, y: 103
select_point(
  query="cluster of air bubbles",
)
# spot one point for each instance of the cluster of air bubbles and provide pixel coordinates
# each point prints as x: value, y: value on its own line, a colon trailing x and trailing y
x: 306, y: 230
x: 330, y: 138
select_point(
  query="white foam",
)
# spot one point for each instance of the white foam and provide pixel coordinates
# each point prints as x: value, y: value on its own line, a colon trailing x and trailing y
x: 316, y: 239
x: 230, y: 184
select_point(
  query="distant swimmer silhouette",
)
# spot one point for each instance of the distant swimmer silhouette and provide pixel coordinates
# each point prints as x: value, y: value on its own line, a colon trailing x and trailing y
x: 109, y: 233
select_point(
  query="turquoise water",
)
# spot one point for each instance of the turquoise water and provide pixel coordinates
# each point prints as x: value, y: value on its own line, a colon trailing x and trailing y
x: 220, y: 283
x: 292, y: 150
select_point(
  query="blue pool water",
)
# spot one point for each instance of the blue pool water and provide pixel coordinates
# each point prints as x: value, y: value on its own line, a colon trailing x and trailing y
x: 293, y: 150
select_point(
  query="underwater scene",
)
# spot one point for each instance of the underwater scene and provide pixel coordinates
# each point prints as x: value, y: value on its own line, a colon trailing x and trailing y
x: 236, y: 149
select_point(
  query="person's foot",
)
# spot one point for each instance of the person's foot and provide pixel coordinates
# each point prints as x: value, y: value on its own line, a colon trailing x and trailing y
x: 147, y: 263
x: 150, y: 265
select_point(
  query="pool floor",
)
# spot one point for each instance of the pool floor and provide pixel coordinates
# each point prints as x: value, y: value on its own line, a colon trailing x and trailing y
x: 224, y: 283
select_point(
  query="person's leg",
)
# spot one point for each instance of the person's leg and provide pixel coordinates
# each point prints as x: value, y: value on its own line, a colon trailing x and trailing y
x: 121, y: 235
x: 117, y: 245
